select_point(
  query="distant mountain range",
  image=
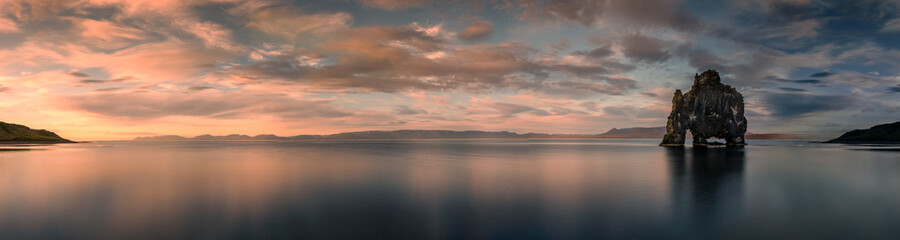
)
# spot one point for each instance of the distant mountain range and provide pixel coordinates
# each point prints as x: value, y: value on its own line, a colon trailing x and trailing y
x: 398, y: 134
x: 15, y: 133
x: 638, y: 132
x: 884, y: 133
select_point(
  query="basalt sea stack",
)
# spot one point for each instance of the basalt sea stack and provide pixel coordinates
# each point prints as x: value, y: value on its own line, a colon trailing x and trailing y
x: 710, y: 109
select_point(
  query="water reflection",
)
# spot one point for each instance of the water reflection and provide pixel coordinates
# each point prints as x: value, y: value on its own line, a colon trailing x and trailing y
x: 581, y: 189
x: 706, y: 182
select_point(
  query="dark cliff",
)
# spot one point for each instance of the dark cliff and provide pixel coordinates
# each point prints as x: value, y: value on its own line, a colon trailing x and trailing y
x: 881, y: 133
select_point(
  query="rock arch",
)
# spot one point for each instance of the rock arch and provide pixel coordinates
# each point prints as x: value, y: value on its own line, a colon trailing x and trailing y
x: 709, y: 109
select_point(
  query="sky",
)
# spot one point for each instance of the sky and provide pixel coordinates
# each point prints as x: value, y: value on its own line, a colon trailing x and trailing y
x: 118, y: 69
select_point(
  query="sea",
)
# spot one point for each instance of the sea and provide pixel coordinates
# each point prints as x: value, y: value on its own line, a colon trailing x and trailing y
x: 449, y: 189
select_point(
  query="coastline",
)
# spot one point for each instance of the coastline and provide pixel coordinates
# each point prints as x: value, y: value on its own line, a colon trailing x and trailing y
x: 35, y: 142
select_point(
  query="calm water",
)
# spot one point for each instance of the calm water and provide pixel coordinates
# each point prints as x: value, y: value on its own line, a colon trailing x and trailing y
x: 448, y: 189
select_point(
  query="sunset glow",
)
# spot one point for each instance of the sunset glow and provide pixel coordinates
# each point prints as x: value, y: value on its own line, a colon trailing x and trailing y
x: 118, y: 69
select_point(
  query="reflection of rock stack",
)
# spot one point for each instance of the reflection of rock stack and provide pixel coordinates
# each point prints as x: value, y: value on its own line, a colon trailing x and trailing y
x: 709, y: 109
x: 707, y: 184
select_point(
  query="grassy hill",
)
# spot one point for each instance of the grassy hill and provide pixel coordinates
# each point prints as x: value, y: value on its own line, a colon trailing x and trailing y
x: 17, y: 133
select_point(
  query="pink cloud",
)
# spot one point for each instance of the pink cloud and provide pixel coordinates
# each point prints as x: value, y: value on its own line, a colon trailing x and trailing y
x: 290, y: 22
x: 8, y: 26
x: 477, y: 30
x: 161, y: 61
x: 108, y: 35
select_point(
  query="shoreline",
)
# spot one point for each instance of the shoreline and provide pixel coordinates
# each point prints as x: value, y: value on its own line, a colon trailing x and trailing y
x: 36, y: 142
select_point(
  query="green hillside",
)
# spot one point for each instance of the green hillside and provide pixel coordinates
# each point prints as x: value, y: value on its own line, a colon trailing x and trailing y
x: 16, y: 132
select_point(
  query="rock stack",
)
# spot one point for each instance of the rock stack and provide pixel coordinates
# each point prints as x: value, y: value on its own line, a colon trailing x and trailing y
x: 710, y: 109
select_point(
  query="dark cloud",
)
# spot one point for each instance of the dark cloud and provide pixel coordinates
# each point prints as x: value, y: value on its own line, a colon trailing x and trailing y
x: 808, y: 81
x: 109, y: 89
x: 821, y: 74
x: 797, y: 81
x: 788, y: 105
x: 645, y: 49
x: 79, y: 74
x: 406, y: 110
x: 790, y: 89
x: 597, y: 53
x: 198, y: 88
x: 650, y: 94
x: 895, y: 89
x: 476, y: 31
x: 4, y: 89
x: 100, y: 81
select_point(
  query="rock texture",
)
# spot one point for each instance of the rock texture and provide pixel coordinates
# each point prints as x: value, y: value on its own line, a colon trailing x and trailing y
x: 710, y: 109
x: 884, y: 133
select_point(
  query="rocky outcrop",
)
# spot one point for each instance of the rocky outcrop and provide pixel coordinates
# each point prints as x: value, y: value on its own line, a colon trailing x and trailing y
x: 709, y: 110
x: 884, y: 133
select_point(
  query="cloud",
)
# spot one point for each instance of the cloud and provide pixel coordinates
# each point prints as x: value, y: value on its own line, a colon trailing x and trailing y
x: 789, y: 89
x: 142, y: 106
x: 108, y: 35
x: 79, y: 74
x: 199, y: 88
x: 790, y: 105
x: 510, y: 109
x: 792, y: 31
x: 406, y: 110
x: 895, y: 89
x: 212, y: 35
x: 665, y: 13
x: 821, y: 74
x: 101, y: 81
x: 891, y: 26
x: 590, y: 106
x: 109, y: 89
x: 290, y: 22
x: 584, y: 11
x: 170, y: 60
x: 476, y: 31
x: 631, y: 112
x: 8, y: 26
x: 394, y: 59
x: 597, y: 53
x: 394, y: 5
x: 645, y: 49
x: 798, y: 81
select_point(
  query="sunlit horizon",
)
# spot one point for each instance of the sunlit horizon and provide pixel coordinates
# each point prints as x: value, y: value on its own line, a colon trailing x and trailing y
x: 116, y: 69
